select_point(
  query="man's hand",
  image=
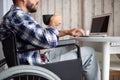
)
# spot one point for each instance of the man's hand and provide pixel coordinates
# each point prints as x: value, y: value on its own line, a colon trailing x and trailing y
x: 72, y: 32
x: 55, y: 20
x: 76, y: 32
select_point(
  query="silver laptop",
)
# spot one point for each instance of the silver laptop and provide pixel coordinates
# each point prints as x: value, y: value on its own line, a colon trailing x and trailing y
x: 99, y: 25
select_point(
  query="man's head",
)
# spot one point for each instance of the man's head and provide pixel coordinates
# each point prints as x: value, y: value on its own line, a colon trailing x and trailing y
x: 27, y: 5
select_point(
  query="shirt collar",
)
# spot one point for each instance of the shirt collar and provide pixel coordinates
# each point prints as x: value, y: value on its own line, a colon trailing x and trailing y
x: 15, y: 7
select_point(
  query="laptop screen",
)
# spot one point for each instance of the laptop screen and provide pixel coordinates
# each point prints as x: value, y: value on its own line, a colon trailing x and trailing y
x: 100, y: 24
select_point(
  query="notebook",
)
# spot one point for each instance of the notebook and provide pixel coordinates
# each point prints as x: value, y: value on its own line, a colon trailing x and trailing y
x: 99, y: 25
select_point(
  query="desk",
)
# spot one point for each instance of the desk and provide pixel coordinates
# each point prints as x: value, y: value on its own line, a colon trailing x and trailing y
x: 106, y: 50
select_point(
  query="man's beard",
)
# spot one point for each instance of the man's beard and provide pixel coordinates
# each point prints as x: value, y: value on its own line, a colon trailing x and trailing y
x: 31, y: 8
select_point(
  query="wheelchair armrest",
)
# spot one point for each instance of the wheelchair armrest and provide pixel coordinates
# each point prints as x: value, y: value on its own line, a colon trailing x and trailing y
x: 61, y: 43
x: 69, y: 42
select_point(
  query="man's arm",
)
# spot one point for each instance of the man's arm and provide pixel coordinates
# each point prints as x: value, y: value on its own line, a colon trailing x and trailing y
x: 63, y: 32
x: 29, y: 30
x: 72, y: 32
x: 56, y: 21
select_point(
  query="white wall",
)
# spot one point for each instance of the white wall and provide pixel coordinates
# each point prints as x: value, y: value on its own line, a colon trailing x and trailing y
x: 99, y: 7
x: 70, y: 10
x: 4, y: 7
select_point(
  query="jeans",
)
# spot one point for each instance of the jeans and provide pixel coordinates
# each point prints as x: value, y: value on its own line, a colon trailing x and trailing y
x: 90, y: 65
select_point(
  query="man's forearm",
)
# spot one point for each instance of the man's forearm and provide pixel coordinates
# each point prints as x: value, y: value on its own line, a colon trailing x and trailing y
x: 63, y: 32
x: 72, y: 32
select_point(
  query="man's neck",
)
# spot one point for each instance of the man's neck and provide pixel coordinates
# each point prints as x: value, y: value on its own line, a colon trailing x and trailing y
x: 22, y: 6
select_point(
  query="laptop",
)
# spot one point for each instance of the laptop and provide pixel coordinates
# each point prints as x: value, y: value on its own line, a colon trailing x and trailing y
x: 99, y: 25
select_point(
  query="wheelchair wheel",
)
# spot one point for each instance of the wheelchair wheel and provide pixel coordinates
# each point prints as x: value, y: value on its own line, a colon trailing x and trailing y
x: 27, y: 70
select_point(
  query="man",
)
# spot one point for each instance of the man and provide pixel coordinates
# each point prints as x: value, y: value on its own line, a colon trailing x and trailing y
x: 28, y: 30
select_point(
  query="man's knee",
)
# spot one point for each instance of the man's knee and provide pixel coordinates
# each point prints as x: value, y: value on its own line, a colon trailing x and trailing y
x: 87, y: 51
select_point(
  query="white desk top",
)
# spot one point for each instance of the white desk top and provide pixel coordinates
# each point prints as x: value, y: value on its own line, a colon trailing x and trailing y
x: 99, y: 39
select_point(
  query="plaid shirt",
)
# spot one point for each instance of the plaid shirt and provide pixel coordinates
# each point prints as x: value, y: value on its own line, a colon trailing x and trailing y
x: 28, y: 30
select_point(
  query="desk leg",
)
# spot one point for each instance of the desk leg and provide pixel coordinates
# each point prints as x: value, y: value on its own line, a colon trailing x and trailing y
x: 106, y: 61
